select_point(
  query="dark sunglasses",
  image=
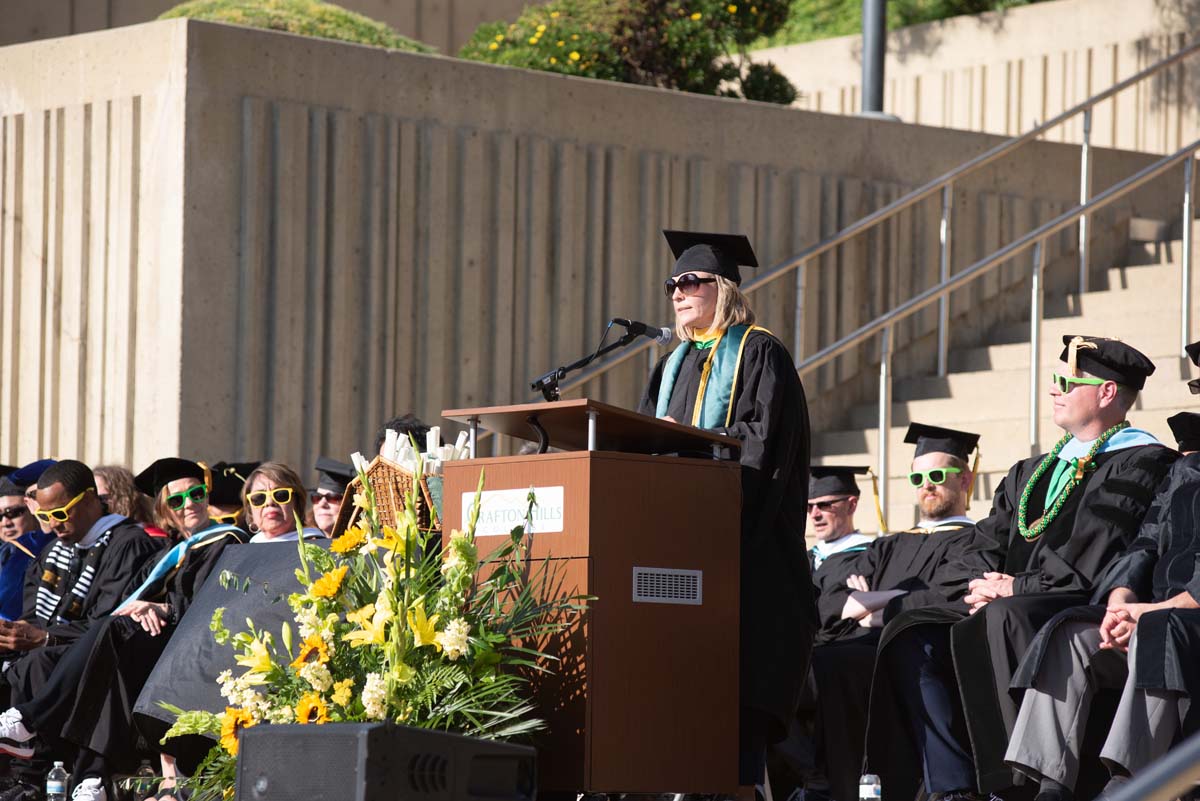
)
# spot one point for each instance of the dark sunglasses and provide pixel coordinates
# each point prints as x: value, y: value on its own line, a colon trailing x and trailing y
x: 688, y: 284
x: 280, y: 496
x: 825, y: 506
x: 324, y: 497
x: 13, y: 513
x: 938, y: 475
x: 196, y: 494
x: 1194, y: 386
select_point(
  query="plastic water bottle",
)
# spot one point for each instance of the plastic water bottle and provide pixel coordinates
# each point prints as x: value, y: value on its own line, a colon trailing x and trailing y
x: 143, y: 782
x: 56, y: 783
x: 869, y: 788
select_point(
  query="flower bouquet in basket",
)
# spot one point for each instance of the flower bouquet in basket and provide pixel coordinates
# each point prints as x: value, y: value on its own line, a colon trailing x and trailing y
x: 391, y: 627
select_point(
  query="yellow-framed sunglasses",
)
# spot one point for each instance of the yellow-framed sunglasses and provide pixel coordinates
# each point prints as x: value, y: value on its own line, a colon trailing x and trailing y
x: 280, y: 496
x: 63, y: 513
x: 225, y: 520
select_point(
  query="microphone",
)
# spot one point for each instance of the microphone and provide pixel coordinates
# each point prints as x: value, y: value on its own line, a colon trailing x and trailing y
x: 660, y: 334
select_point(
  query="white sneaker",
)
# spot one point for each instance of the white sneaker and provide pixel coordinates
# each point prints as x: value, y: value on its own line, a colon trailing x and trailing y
x: 14, y: 737
x: 91, y: 789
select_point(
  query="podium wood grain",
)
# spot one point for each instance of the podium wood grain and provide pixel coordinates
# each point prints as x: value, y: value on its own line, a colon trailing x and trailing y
x: 645, y: 700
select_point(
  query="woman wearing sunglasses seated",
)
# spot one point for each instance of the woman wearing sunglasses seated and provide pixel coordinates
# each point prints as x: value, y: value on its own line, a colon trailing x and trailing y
x: 276, y: 503
x: 87, y: 699
x: 735, y: 378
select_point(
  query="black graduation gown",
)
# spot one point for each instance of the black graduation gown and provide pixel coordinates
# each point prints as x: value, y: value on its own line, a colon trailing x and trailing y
x: 100, y: 678
x: 1163, y: 562
x: 829, y: 579
x: 1057, y: 571
x: 844, y: 658
x: 778, y: 615
x: 116, y: 576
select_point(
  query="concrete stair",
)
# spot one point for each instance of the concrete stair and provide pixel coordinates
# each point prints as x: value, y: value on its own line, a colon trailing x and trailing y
x: 987, y: 388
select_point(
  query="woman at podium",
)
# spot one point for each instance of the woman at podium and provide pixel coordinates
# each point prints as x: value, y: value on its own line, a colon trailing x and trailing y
x: 733, y: 377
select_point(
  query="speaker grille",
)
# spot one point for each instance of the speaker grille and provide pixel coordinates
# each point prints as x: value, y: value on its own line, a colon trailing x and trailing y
x: 427, y: 774
x: 656, y: 585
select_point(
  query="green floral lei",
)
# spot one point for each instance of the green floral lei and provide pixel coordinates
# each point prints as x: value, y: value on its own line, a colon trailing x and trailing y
x: 1080, y: 465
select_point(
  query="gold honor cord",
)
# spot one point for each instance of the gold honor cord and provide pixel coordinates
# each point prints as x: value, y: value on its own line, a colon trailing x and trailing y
x: 883, y: 527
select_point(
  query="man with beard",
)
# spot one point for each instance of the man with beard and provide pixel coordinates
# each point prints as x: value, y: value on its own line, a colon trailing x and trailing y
x: 940, y: 709
x: 891, y: 574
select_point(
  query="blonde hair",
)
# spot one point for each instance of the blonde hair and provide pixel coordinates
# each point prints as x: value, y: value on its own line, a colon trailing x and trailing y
x: 733, y: 308
x: 124, y: 498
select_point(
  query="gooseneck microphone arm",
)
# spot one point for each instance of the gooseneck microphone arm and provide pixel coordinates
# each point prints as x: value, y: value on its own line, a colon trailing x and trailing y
x: 547, y: 384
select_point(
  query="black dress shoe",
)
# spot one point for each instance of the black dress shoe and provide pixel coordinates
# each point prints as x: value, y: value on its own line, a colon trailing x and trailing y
x: 21, y: 791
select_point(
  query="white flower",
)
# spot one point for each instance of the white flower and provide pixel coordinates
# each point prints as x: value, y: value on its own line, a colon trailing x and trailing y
x: 283, y: 714
x: 374, y: 697
x: 454, y: 638
x: 317, y: 675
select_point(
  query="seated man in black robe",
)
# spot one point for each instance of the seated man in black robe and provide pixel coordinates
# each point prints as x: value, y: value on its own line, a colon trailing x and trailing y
x: 833, y: 495
x: 79, y: 578
x: 1129, y: 640
x: 887, y: 576
x: 940, y: 709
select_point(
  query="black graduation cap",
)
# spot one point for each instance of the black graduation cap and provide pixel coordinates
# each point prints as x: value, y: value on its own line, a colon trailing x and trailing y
x: 1185, y: 426
x: 228, y: 478
x: 333, y: 475
x: 719, y: 254
x: 5, y: 469
x: 935, y: 439
x: 9, y: 489
x: 1109, y: 359
x: 25, y: 477
x: 1193, y: 352
x: 162, y: 472
x: 827, y: 479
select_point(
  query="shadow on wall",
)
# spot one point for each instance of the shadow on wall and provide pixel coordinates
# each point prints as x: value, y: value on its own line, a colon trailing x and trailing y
x: 925, y: 39
x: 1175, y: 87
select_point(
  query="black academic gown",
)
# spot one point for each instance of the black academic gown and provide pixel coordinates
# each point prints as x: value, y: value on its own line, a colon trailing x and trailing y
x: 116, y: 576
x: 1057, y: 571
x: 778, y: 615
x: 1163, y: 562
x: 96, y: 683
x: 844, y: 659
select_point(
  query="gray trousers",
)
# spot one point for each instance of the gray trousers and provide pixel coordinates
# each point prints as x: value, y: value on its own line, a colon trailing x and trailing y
x: 1046, y: 740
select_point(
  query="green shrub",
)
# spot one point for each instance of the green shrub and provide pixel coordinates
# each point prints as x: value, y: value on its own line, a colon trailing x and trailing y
x: 691, y: 45
x: 305, y: 17
x: 809, y: 20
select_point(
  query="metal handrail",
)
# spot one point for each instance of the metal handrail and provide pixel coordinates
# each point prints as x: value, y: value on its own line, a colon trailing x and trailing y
x: 944, y: 183
x: 1167, y: 778
x: 885, y: 324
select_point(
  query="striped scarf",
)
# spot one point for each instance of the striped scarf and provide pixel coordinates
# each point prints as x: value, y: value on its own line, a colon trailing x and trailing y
x: 67, y: 576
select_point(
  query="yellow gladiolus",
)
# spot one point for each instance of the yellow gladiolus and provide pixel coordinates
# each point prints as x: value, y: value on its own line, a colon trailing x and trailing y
x: 424, y: 628
x: 258, y: 660
x: 373, y: 626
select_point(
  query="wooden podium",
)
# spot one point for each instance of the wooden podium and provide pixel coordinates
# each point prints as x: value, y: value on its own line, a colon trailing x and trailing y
x: 645, y: 699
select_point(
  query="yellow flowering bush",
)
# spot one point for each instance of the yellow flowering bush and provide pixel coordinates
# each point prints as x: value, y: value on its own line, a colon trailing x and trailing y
x: 390, y: 625
x: 692, y: 45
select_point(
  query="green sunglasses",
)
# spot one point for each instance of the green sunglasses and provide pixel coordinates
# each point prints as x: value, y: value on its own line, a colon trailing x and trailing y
x: 196, y: 494
x: 938, y: 475
x: 1066, y: 383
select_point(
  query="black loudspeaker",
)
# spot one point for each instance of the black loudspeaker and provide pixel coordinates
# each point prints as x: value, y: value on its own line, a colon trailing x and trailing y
x: 379, y: 762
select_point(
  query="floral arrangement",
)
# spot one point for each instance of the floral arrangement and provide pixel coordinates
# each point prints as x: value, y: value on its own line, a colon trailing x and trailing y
x: 390, y: 627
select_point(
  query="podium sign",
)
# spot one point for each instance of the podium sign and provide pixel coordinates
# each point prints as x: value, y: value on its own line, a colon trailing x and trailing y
x: 644, y: 698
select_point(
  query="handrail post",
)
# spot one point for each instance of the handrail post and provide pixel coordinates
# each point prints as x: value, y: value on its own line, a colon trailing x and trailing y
x: 944, y: 236
x: 798, y: 330
x: 885, y: 413
x: 1185, y: 322
x: 1085, y: 194
x: 1035, y: 346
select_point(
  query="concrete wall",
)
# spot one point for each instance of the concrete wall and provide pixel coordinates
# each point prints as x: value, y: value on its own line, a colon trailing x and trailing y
x: 1002, y: 72
x: 351, y: 233
x: 445, y: 24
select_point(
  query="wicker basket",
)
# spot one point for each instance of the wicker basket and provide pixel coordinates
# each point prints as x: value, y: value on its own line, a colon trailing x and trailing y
x: 391, y: 484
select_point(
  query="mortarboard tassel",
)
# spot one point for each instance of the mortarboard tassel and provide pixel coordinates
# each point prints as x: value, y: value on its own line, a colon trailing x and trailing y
x: 1073, y: 352
x: 208, y: 482
x: 974, y: 477
x: 883, y: 527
